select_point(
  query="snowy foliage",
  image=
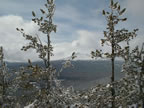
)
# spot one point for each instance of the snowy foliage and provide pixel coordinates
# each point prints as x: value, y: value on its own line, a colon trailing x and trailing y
x: 34, y: 86
x: 114, y: 38
x: 7, y: 99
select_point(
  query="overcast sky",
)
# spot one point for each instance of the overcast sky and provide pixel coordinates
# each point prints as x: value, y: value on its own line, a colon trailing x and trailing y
x: 80, y: 26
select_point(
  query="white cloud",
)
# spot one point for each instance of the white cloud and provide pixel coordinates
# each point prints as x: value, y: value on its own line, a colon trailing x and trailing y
x: 86, y: 42
x: 12, y: 41
x: 134, y: 11
x: 74, y: 16
x: 67, y: 12
x: 135, y: 7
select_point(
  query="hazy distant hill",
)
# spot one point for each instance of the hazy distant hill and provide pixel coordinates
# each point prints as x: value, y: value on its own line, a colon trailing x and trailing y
x: 84, y: 73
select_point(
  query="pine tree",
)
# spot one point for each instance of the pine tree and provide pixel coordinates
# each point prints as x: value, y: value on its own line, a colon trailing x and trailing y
x: 7, y: 98
x: 114, y: 38
x: 134, y: 70
x: 2, y: 77
x: 46, y: 26
x: 43, y: 79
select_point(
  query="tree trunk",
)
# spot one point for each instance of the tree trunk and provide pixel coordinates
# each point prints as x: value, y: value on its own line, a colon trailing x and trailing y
x: 141, y: 85
x: 3, y: 77
x: 48, y: 51
x: 112, y: 78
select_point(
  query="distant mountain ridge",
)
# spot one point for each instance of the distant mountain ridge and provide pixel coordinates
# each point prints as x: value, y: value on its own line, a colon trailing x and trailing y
x: 79, y: 56
x: 84, y: 74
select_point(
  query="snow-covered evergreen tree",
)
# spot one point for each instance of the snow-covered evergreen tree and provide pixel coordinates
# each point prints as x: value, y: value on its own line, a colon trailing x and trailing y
x: 114, y: 38
x: 47, y: 90
x: 7, y: 97
x: 134, y: 70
